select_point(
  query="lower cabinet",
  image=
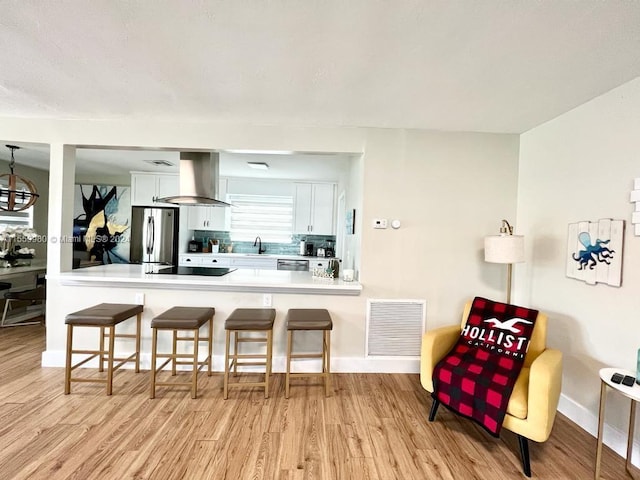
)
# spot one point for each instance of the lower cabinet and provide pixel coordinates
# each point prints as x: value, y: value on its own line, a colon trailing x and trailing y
x: 210, y: 261
x: 222, y: 261
x: 189, y: 260
x: 315, y: 263
x: 260, y: 263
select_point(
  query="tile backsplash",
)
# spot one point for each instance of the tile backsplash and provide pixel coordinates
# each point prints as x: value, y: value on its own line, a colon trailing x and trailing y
x: 292, y: 248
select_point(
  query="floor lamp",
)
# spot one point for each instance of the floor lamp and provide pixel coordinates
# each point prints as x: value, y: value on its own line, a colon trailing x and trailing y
x: 505, y: 248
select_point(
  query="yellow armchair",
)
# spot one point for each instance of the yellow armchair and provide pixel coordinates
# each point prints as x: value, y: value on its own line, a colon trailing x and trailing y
x: 532, y: 406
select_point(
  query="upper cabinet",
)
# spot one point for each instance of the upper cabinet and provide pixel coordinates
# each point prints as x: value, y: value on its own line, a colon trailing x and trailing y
x: 147, y: 187
x: 313, y: 210
x: 209, y: 218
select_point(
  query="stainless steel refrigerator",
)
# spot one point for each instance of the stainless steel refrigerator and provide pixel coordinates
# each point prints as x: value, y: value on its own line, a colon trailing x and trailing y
x: 154, y: 235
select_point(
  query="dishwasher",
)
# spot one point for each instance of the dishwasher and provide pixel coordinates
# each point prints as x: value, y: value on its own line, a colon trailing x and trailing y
x: 295, y: 265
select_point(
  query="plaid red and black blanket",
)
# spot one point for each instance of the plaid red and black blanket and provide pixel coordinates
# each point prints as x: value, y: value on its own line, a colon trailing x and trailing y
x: 477, y: 376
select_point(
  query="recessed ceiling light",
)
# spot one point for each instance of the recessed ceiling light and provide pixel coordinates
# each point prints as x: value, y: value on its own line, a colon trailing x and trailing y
x: 258, y: 165
x: 160, y: 163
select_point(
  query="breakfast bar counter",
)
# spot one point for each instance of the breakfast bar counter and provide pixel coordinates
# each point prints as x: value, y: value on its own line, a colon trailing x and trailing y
x: 241, y: 280
x: 242, y: 288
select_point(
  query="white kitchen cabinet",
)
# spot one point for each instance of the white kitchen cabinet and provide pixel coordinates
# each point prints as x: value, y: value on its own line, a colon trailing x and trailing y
x: 212, y: 260
x: 203, y: 260
x: 215, y: 261
x: 250, y: 261
x: 147, y: 187
x: 313, y: 210
x: 209, y: 218
x: 189, y: 260
x: 317, y: 263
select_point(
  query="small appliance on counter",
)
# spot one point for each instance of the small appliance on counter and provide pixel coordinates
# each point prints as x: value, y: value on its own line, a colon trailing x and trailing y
x: 320, y: 252
x: 194, y: 247
x: 329, y: 251
x: 308, y: 249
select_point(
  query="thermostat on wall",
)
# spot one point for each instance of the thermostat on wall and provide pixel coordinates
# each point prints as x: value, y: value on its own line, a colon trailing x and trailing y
x: 379, y: 223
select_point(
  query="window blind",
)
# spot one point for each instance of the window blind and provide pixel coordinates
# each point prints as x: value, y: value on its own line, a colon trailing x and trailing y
x: 269, y: 216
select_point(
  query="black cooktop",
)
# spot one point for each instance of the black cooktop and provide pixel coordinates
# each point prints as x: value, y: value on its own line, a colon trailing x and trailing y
x: 208, y: 272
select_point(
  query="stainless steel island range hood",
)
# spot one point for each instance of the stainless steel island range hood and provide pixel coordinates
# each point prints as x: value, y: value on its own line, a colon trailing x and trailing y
x: 198, y: 180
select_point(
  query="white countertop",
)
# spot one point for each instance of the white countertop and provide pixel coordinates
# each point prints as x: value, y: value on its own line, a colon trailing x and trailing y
x: 37, y: 266
x: 241, y: 280
x: 255, y: 255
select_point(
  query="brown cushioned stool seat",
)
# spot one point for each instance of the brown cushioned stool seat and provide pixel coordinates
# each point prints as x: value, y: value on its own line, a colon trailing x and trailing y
x: 104, y: 316
x: 248, y: 320
x: 182, y: 319
x: 308, y: 319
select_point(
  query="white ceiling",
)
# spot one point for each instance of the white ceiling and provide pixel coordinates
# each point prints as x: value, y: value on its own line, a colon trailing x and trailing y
x: 465, y: 65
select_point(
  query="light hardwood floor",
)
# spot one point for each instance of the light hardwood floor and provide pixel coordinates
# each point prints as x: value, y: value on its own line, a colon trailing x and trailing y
x: 374, y: 426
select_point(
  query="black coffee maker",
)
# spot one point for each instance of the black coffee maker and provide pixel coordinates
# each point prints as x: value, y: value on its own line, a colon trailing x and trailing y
x: 329, y: 250
x: 308, y: 249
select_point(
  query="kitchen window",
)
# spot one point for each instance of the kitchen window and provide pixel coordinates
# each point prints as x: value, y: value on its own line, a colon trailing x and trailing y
x: 269, y: 216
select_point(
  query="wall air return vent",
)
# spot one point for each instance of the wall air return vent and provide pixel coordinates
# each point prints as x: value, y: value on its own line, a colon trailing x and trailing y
x: 395, y: 327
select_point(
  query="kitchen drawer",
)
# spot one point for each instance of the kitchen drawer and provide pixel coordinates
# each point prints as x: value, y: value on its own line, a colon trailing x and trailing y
x: 210, y: 261
x: 189, y: 260
x: 317, y: 263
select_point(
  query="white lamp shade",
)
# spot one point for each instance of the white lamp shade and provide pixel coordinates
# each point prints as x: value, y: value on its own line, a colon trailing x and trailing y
x: 504, y: 249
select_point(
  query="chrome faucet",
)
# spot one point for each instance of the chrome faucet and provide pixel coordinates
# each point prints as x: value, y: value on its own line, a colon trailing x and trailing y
x: 258, y: 242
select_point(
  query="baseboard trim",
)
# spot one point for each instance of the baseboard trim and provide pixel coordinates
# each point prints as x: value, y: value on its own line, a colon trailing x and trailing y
x: 613, y: 437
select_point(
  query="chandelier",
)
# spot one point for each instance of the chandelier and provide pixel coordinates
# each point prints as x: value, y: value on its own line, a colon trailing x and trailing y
x: 16, y: 193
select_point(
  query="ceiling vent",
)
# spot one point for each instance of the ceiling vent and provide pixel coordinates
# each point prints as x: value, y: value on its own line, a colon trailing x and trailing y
x: 161, y: 163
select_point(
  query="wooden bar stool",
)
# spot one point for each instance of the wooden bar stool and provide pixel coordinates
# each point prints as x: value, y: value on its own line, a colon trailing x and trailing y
x: 248, y: 320
x: 104, y: 316
x: 309, y: 319
x: 177, y: 319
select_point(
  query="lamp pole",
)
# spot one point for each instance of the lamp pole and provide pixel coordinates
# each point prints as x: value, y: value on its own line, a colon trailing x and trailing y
x: 509, y: 272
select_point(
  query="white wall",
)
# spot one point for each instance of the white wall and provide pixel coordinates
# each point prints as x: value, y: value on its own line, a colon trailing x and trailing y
x: 448, y: 190
x: 119, y: 180
x: 581, y: 166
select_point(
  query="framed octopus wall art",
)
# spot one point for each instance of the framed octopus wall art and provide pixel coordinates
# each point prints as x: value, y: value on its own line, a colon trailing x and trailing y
x: 594, y: 251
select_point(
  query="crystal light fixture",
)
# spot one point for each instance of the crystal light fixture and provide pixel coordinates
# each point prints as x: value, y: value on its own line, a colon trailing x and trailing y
x: 16, y: 192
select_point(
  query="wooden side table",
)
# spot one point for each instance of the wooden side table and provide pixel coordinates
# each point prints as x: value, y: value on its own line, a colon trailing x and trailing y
x: 633, y: 393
